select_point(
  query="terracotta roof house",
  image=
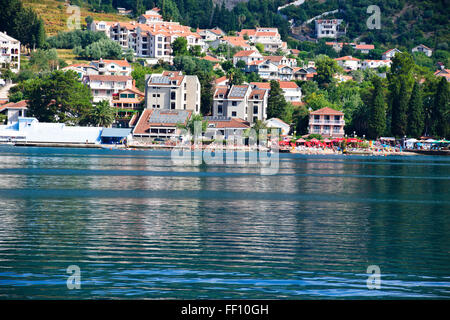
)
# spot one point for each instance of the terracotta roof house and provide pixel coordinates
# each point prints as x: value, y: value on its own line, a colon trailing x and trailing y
x: 155, y: 123
x: 220, y: 126
x: 14, y: 110
x: 327, y: 122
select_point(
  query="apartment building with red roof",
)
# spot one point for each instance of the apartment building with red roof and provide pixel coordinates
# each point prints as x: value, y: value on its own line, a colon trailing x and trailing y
x: 327, y: 122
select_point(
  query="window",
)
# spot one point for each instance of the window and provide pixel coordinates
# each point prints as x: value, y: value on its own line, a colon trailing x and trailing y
x: 255, y: 109
x: 233, y: 114
x: 185, y: 97
x: 220, y: 109
x: 172, y: 105
x: 234, y: 103
x: 173, y: 95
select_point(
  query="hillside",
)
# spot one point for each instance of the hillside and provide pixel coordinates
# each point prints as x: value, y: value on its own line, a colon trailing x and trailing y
x: 53, y: 12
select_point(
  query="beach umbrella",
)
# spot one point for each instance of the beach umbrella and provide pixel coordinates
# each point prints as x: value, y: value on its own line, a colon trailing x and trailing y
x: 301, y: 140
x: 314, y: 140
x: 327, y: 140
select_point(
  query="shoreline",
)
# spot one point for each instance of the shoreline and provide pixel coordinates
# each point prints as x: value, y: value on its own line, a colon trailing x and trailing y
x: 311, y: 151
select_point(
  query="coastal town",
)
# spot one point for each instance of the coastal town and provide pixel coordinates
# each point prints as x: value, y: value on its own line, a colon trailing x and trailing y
x: 255, y: 80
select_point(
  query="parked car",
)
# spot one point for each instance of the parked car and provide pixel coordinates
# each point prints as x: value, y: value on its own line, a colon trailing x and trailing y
x: 2, y: 82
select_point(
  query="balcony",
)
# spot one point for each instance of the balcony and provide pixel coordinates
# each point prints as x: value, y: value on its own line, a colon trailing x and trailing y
x: 328, y: 122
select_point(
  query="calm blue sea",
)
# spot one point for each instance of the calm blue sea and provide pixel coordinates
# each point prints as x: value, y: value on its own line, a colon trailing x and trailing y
x: 139, y: 227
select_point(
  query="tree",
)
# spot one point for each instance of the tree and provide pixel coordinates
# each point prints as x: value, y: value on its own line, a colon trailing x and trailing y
x: 300, y: 118
x: 179, y: 47
x: 45, y: 60
x: 326, y: 69
x: 104, y: 48
x: 415, y: 113
x: 190, y: 125
x: 441, y: 109
x: 377, y: 113
x: 100, y: 115
x: 400, y: 79
x: 196, y: 51
x: 89, y: 20
x: 276, y: 105
x: 241, y: 64
x: 57, y: 97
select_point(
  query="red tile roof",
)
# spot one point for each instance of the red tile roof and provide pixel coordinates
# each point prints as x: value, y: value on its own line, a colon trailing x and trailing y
x: 261, y: 85
x: 347, y: 58
x: 288, y: 85
x: 327, y: 111
x: 15, y: 105
x: 231, y: 123
x: 257, y: 92
x: 244, y: 53
x: 209, y: 58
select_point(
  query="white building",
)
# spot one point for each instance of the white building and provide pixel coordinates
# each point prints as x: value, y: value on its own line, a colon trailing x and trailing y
x: 422, y: 48
x: 172, y: 90
x: 247, y: 56
x: 374, y: 64
x: 82, y: 69
x: 329, y: 28
x: 278, y: 124
x: 348, y: 62
x: 291, y: 91
x: 9, y: 52
x: 112, y: 67
x: 104, y: 87
x: 30, y: 130
x: 270, y: 38
x: 150, y: 16
x: 388, y: 55
x: 101, y: 26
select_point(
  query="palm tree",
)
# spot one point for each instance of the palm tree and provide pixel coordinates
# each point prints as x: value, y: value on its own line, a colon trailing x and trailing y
x: 102, y: 114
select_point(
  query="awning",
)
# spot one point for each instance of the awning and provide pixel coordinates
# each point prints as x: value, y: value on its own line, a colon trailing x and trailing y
x: 115, y: 133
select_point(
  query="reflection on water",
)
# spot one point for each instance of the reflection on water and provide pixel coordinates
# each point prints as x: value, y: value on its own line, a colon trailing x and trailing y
x: 140, y: 228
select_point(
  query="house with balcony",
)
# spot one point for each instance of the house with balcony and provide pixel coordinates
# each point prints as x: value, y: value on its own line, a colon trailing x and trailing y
x: 245, y: 102
x: 112, y: 67
x: 348, y: 62
x: 327, y: 122
x: 248, y: 56
x: 9, y: 52
x: 172, y: 90
x: 104, y: 87
x: 221, y: 127
x: 329, y: 28
x: 270, y: 38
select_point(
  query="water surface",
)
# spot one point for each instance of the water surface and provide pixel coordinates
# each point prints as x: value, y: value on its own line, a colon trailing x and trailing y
x: 139, y: 227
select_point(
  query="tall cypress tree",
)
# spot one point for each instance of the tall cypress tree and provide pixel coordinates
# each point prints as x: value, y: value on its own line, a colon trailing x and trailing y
x: 377, y: 114
x: 276, y: 104
x: 400, y: 80
x: 441, y: 109
x: 416, y: 116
